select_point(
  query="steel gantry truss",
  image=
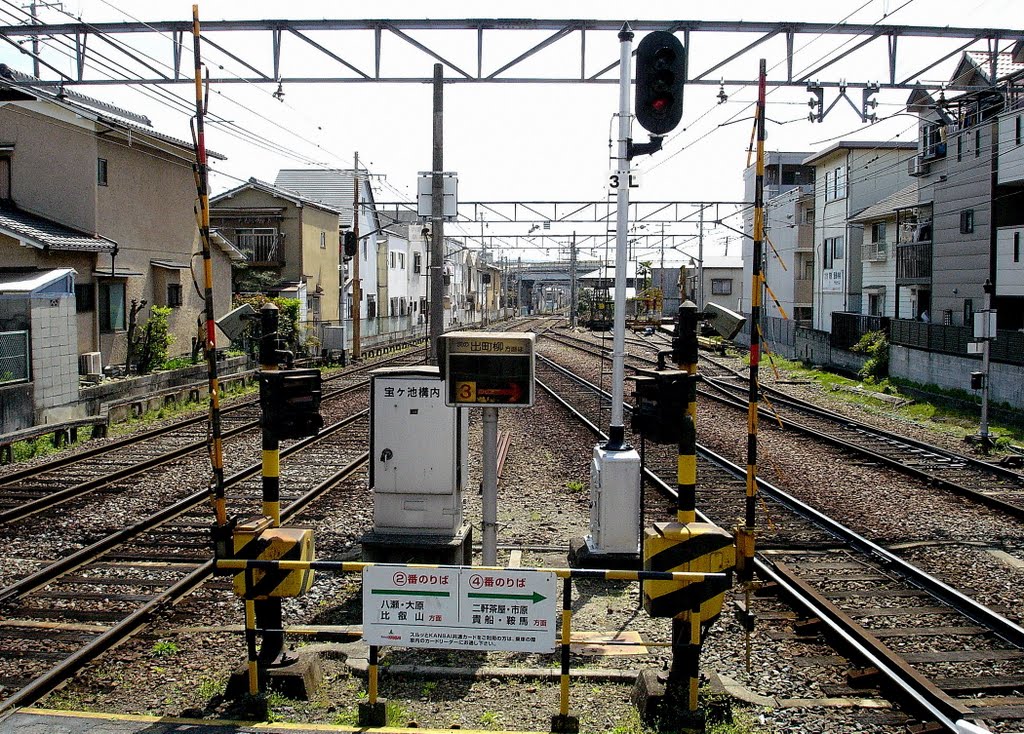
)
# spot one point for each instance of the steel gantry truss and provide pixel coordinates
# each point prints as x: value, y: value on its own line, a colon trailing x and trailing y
x: 361, y: 51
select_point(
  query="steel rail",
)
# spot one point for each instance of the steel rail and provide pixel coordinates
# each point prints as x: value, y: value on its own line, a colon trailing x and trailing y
x: 131, y: 624
x: 86, y: 555
x: 923, y: 694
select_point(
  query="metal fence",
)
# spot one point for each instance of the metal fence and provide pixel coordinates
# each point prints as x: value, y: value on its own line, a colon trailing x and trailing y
x: 14, y: 357
x: 1007, y: 347
x: 848, y: 328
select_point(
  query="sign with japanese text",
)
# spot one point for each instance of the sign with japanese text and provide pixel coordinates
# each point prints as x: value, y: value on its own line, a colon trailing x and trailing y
x: 492, y: 368
x: 832, y: 281
x: 459, y: 608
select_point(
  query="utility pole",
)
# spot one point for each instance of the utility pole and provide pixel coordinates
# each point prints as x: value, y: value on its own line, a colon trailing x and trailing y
x: 700, y: 260
x: 357, y: 295
x: 572, y: 283
x: 437, y: 218
x: 989, y: 333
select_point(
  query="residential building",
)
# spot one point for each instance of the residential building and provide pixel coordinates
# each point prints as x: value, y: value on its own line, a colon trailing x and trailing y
x: 290, y: 244
x: 891, y: 221
x: 92, y: 187
x: 850, y: 176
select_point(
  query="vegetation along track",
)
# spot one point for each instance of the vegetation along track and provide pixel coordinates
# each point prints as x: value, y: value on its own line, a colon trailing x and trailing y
x: 952, y: 657
x: 77, y: 582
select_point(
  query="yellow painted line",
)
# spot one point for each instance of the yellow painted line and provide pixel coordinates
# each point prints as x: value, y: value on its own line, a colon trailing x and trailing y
x: 226, y: 723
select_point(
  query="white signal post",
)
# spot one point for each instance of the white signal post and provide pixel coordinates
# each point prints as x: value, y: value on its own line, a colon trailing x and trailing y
x: 615, y: 470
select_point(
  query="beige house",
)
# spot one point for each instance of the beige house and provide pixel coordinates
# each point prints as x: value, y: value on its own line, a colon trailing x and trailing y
x: 292, y: 239
x: 92, y: 187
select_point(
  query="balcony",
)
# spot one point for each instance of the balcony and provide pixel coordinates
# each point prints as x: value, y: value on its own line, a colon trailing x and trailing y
x: 262, y: 248
x: 914, y: 263
x: 803, y: 291
x: 874, y: 252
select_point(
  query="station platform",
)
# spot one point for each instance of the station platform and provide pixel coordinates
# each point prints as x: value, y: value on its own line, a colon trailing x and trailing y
x: 45, y: 721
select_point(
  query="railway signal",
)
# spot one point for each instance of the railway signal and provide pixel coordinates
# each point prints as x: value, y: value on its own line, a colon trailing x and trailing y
x: 660, y: 74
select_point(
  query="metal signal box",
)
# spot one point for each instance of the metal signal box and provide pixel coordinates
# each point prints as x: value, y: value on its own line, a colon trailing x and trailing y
x: 487, y: 368
x: 254, y: 540
x: 419, y: 452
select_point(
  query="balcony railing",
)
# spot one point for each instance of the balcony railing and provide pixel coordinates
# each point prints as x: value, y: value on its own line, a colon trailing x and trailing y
x: 874, y: 251
x: 261, y: 248
x: 914, y: 263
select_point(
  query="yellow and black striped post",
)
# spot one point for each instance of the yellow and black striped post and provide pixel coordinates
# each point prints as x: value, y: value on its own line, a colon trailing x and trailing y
x: 202, y: 173
x: 268, y: 612
x: 562, y: 722
x: 745, y: 534
x: 684, y: 354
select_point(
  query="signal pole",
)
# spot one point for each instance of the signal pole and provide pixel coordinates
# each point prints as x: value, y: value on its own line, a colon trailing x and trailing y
x: 437, y: 218
x: 357, y: 294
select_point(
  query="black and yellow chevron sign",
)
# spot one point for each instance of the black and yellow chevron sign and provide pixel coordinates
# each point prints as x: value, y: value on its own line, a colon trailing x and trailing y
x: 696, y: 547
x: 273, y: 544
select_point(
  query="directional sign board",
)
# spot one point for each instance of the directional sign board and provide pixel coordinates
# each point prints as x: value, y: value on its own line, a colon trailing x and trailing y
x: 489, y: 368
x: 459, y: 608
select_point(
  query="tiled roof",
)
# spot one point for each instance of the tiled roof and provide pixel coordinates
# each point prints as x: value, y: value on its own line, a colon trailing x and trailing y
x: 333, y: 188
x: 280, y: 192
x: 94, y: 109
x: 49, y: 235
x: 886, y: 207
x: 1005, y: 65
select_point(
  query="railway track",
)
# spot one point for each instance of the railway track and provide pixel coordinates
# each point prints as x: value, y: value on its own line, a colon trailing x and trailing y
x: 78, y: 583
x: 950, y: 657
x: 985, y: 482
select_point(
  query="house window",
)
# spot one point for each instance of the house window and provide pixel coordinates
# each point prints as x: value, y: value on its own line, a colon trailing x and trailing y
x: 977, y: 143
x: 392, y: 260
x: 934, y: 142
x: 878, y: 232
x: 101, y: 171
x: 1016, y: 130
x: 403, y: 306
x: 1016, y: 247
x: 721, y: 287
x: 5, y: 177
x: 417, y: 262
x: 174, y: 295
x: 401, y: 260
x: 323, y: 240
x: 959, y: 147
x: 371, y: 307
x: 966, y: 221
x: 840, y: 179
x: 111, y: 305
x: 834, y: 250
x: 85, y: 301
x: 808, y: 216
x: 968, y: 311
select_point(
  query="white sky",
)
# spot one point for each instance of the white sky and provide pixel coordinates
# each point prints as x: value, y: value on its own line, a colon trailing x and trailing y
x: 525, y: 142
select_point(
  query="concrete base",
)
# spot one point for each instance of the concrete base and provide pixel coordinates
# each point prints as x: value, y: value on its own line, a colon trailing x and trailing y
x: 581, y: 555
x: 300, y: 677
x: 373, y: 714
x: 380, y: 546
x: 652, y: 702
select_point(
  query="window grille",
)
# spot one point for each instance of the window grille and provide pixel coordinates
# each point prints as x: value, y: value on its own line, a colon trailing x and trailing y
x: 14, y: 356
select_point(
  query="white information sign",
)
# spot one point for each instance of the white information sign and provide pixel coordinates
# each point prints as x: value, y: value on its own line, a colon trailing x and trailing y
x: 459, y: 607
x: 617, y: 180
x: 832, y: 281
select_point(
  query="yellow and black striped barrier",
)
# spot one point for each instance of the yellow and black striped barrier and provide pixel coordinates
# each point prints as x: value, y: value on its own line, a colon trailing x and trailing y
x: 561, y: 722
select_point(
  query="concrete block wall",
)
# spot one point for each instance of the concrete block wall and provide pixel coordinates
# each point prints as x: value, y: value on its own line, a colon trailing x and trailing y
x: 1006, y: 381
x: 54, y: 351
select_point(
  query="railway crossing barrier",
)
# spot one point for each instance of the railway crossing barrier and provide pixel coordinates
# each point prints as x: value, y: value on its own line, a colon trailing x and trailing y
x: 467, y: 633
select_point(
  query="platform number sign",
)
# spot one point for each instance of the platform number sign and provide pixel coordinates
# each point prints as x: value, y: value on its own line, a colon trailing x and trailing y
x: 618, y: 180
x: 487, y: 368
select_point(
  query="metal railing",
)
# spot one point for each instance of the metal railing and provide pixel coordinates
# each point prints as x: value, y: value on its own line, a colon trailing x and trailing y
x: 914, y: 262
x: 874, y: 251
x: 1007, y: 347
x: 260, y: 248
x: 848, y: 328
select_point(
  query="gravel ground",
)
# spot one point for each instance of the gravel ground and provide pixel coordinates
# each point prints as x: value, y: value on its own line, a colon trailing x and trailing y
x: 182, y: 666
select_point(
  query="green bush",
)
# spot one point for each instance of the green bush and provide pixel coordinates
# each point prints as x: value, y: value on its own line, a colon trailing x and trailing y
x: 875, y: 344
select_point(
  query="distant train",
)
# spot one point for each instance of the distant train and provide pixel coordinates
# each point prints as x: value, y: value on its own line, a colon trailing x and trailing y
x: 601, y: 313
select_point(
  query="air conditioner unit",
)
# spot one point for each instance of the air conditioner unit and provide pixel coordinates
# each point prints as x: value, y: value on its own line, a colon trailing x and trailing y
x: 917, y: 166
x: 90, y: 363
